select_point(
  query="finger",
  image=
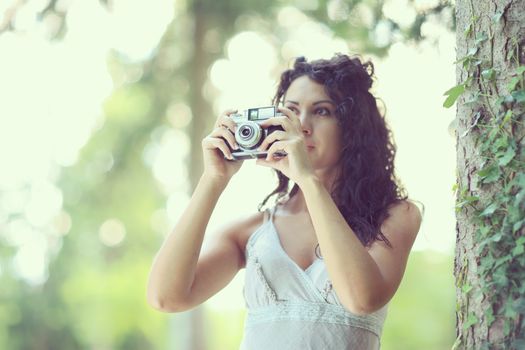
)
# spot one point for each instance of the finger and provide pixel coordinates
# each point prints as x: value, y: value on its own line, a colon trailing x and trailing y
x: 290, y: 114
x: 227, y: 112
x: 228, y: 122
x: 214, y: 143
x: 278, y: 146
x: 224, y: 119
x: 284, y: 122
x: 273, y: 136
x: 227, y: 134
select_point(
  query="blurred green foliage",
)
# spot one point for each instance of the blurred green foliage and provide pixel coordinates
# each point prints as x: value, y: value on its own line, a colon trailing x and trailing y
x: 422, y: 313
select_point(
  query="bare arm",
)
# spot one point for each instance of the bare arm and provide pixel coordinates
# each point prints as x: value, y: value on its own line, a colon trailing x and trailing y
x: 365, y: 280
x: 173, y: 269
x: 214, y: 268
x: 178, y: 279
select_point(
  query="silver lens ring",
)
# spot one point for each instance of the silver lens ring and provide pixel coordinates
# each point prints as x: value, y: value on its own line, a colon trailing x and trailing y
x: 248, y: 134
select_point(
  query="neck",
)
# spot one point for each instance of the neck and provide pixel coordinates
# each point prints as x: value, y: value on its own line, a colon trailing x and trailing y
x: 297, y: 203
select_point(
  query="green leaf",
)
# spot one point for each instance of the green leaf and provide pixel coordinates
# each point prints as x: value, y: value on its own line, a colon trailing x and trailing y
x: 473, y: 99
x: 510, y: 312
x: 499, y: 277
x: 519, y: 96
x: 508, y: 99
x: 497, y: 16
x: 488, y: 74
x: 481, y: 37
x: 453, y: 95
x: 482, y: 245
x: 472, y: 51
x: 519, y: 305
x: 519, y: 198
x: 513, y: 213
x: 501, y: 142
x: 507, y: 157
x: 520, y: 70
x: 462, y: 59
x: 518, y: 250
x: 513, y: 82
x: 489, y: 210
x: 467, y: 200
x: 472, y: 319
x: 497, y: 237
x: 489, y: 174
x: 517, y: 225
x: 468, y: 29
x: 507, y: 116
x: 520, y: 180
x: 489, y: 316
x: 483, y: 230
x: 487, y: 262
x: 471, y: 199
x: 466, y: 288
x: 506, y: 328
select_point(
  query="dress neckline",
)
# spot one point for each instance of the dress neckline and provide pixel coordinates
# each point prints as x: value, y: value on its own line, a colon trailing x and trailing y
x: 281, y: 248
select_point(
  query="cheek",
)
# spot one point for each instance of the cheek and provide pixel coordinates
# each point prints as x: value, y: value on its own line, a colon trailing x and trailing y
x: 333, y: 142
x: 335, y: 136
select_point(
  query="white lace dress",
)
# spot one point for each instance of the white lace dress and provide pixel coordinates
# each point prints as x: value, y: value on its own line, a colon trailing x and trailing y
x: 291, y: 308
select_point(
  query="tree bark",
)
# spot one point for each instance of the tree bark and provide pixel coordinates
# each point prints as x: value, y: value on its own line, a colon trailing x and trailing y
x: 490, y: 301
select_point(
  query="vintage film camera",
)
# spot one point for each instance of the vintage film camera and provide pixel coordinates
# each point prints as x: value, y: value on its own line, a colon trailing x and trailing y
x: 249, y: 134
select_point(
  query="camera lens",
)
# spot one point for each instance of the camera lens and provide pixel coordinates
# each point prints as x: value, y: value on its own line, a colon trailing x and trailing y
x: 248, y: 134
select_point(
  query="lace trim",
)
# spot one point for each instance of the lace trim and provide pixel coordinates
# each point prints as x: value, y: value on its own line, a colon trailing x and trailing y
x: 313, y: 312
x: 269, y: 291
x: 327, y: 289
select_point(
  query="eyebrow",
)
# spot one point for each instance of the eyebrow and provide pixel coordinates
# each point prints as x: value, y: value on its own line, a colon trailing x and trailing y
x: 315, y: 103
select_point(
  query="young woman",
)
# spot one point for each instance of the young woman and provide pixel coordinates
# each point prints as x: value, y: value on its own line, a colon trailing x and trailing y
x: 325, y: 260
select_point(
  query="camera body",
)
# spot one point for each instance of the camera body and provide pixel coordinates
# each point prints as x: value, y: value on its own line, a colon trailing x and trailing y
x: 249, y: 134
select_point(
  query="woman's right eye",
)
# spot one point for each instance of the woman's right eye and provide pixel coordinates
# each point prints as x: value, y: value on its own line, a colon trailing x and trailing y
x: 293, y: 109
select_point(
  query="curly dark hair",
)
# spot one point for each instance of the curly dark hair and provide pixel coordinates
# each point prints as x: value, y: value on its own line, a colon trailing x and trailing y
x: 366, y: 185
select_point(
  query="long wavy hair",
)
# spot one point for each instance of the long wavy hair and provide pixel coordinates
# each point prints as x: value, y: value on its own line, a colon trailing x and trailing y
x: 366, y: 185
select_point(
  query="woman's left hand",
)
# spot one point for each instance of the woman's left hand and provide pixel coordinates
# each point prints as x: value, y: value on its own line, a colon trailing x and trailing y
x: 295, y: 165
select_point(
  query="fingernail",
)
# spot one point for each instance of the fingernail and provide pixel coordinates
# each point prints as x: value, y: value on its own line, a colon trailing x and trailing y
x: 236, y: 146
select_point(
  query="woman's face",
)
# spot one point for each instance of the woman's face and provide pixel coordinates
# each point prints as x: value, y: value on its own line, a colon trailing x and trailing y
x: 316, y: 112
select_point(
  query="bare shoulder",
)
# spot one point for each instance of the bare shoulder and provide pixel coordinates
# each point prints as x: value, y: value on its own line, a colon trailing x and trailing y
x: 404, y: 208
x: 400, y: 228
x: 403, y: 223
x: 245, y: 225
x: 239, y: 230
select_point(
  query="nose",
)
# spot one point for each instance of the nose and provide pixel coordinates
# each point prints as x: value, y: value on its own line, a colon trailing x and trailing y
x: 306, y: 125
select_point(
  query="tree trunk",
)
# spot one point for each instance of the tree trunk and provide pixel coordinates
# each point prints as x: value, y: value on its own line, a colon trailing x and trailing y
x: 490, y: 261
x: 187, y: 329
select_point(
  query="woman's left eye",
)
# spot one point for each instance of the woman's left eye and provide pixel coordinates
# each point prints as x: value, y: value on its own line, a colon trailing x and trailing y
x: 323, y: 111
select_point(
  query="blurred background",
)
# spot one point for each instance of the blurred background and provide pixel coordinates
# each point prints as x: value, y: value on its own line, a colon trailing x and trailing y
x: 103, y: 106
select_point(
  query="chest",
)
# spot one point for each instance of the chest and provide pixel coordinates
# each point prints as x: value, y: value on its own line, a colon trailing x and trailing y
x: 297, y: 237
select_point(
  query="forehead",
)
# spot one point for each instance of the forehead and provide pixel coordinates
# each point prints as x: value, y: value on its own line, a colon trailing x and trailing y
x: 305, y: 88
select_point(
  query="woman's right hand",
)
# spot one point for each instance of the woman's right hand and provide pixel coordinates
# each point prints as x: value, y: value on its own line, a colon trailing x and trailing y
x: 215, y: 148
